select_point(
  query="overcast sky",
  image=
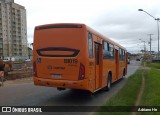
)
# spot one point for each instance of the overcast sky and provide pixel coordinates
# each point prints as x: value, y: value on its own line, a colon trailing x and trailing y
x: 119, y: 20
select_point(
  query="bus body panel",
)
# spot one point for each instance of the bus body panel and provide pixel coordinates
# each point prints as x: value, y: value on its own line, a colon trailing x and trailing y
x: 50, y: 43
x: 81, y: 84
x: 114, y: 65
x: 61, y: 55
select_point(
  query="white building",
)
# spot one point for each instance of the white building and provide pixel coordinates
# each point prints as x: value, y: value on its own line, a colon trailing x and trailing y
x: 13, y: 30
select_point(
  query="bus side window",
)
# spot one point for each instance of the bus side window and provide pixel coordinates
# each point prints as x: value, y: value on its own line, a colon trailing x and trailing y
x: 124, y: 55
x: 111, y: 51
x: 121, y: 54
x: 90, y: 45
x: 105, y: 50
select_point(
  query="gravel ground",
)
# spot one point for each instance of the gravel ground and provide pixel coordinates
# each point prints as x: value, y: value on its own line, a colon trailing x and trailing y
x: 17, y: 81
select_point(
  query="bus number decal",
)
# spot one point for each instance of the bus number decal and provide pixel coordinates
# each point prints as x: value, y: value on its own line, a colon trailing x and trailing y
x: 71, y: 61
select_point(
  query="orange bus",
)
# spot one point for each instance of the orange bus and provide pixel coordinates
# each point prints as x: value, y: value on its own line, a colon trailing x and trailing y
x: 72, y: 55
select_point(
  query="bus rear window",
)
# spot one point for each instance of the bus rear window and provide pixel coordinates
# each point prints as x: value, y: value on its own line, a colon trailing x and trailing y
x: 57, y: 52
x: 58, y: 26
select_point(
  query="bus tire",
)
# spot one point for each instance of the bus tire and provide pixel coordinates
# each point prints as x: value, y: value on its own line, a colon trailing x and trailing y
x: 109, y: 81
x: 123, y: 73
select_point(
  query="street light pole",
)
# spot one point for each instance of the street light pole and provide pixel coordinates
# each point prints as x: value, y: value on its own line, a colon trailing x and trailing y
x: 158, y: 35
x: 157, y: 19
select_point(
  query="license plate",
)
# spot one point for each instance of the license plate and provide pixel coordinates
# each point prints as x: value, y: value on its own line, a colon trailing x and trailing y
x: 56, y: 76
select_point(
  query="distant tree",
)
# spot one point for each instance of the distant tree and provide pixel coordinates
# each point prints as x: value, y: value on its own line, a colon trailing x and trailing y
x: 142, y: 51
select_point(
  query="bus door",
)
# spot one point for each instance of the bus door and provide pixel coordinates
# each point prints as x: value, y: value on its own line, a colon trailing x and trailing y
x: 117, y: 63
x: 97, y: 65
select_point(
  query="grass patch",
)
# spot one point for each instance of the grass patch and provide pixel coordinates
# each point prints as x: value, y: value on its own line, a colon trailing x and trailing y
x: 152, y: 88
x: 127, y: 95
x: 151, y: 92
x: 153, y: 65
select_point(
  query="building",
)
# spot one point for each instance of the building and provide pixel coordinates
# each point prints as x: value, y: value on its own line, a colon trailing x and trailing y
x: 13, y: 30
x: 30, y: 53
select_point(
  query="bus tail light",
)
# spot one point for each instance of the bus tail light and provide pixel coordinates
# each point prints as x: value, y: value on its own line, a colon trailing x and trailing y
x: 34, y: 69
x: 81, y: 72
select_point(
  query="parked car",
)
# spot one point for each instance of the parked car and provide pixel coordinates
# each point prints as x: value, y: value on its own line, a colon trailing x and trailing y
x: 138, y: 59
x: 128, y: 60
x: 6, y: 59
x: 27, y: 60
x: 9, y: 59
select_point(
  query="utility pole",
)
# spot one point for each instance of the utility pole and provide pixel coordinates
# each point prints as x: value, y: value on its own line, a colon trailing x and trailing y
x: 28, y: 50
x: 158, y: 20
x: 150, y: 42
x: 144, y: 45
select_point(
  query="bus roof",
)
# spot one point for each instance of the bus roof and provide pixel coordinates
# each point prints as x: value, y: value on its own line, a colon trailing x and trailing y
x: 59, y: 25
x: 77, y: 25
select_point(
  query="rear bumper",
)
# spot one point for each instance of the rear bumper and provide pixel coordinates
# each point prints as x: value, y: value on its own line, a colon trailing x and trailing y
x: 81, y: 84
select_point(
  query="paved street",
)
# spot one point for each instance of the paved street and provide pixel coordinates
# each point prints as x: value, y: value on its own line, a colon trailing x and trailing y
x: 24, y: 93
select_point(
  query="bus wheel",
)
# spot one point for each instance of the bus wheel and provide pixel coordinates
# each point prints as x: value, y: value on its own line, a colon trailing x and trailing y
x: 109, y: 81
x: 123, y: 74
x: 59, y: 88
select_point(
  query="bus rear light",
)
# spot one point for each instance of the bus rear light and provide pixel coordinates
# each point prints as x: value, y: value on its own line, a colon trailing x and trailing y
x: 81, y: 72
x: 34, y: 69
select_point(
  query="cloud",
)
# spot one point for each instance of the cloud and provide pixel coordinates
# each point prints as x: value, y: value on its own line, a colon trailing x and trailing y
x: 119, y: 20
x: 126, y: 26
